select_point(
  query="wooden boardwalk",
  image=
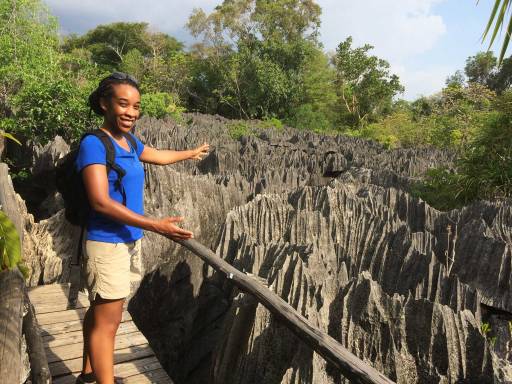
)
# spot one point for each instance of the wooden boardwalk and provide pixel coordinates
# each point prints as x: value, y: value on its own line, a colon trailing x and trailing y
x: 61, y: 330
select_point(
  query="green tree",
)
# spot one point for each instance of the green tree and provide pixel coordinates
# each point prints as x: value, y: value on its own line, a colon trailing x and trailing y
x: 502, y: 78
x: 317, y: 107
x: 481, y: 67
x: 459, y: 113
x: 134, y: 63
x: 42, y: 90
x: 252, y: 56
x: 365, y: 85
x: 457, y: 79
x: 156, y: 59
x: 28, y: 46
x: 53, y: 107
x: 109, y: 43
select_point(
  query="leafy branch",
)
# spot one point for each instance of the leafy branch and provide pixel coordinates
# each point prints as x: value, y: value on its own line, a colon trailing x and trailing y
x: 10, y: 246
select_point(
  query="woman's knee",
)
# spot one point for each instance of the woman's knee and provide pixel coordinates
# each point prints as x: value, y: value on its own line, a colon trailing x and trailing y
x: 108, y: 314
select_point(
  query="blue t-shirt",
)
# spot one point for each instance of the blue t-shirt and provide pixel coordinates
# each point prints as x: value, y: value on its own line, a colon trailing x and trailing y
x: 100, y: 227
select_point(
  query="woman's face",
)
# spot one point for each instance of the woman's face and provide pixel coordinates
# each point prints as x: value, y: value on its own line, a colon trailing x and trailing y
x: 124, y: 107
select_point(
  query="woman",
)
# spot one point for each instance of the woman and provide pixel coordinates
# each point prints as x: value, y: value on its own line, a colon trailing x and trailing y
x: 115, y: 227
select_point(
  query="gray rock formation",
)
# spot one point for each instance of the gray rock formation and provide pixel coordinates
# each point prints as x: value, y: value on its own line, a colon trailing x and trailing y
x: 328, y: 224
x: 349, y: 262
x: 44, y: 158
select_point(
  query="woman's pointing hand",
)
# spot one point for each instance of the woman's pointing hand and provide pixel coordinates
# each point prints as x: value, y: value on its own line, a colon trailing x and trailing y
x: 168, y: 228
x: 200, y: 151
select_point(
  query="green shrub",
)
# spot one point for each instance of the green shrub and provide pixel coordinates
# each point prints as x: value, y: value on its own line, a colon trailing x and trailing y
x: 162, y: 104
x: 271, y: 123
x: 483, y: 169
x: 486, y: 165
x: 239, y: 129
x: 395, y: 130
x: 305, y: 117
x: 440, y: 188
x: 44, y: 109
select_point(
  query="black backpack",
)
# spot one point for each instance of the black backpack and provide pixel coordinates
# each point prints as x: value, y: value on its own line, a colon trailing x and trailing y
x: 70, y: 184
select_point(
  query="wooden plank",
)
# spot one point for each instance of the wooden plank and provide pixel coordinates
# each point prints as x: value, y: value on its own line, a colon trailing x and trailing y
x: 49, y: 298
x: 60, y: 305
x: 135, y: 367
x: 67, y: 338
x: 64, y: 316
x: 123, y: 370
x: 353, y: 368
x: 43, y: 297
x: 61, y: 316
x: 66, y: 352
x: 48, y: 288
x: 64, y: 367
x: 70, y: 326
x: 41, y: 291
x: 11, y: 316
x: 158, y: 376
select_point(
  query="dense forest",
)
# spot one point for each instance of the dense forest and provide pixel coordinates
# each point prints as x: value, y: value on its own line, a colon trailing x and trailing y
x: 259, y: 60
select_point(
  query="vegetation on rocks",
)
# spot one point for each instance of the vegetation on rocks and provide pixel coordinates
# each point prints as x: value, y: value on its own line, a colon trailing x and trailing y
x: 10, y: 246
x: 259, y: 60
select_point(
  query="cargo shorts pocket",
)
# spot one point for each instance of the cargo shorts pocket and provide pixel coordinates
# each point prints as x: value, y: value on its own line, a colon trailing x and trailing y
x: 107, y: 269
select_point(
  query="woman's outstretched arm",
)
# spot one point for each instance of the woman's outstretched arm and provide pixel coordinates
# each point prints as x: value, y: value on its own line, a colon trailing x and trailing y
x: 96, y: 186
x: 168, y: 156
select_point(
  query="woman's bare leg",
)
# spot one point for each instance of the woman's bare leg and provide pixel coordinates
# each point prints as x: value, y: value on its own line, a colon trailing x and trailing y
x: 100, y: 327
x: 87, y: 327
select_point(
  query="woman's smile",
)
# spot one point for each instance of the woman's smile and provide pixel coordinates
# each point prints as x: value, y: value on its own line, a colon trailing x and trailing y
x: 126, y: 123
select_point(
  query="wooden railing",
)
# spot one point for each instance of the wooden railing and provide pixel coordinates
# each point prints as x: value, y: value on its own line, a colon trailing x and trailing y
x: 17, y: 318
x: 39, y: 370
x: 350, y: 366
x: 11, y: 320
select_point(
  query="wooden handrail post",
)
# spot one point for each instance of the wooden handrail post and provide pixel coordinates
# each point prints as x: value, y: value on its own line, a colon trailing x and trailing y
x: 12, y: 285
x: 39, y: 370
x: 353, y: 368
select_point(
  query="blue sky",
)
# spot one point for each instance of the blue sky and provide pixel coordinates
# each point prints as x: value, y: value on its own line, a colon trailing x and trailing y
x: 424, y: 40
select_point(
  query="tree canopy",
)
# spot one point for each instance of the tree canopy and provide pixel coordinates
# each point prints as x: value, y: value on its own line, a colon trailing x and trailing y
x: 364, y: 82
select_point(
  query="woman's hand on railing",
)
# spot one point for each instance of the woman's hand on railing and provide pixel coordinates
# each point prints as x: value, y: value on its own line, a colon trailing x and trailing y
x: 168, y: 228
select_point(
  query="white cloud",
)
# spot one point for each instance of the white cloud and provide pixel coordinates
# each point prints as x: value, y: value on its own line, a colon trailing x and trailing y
x: 422, y: 82
x: 398, y: 29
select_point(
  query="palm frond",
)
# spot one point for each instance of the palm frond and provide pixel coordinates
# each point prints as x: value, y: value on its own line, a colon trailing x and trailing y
x: 497, y: 18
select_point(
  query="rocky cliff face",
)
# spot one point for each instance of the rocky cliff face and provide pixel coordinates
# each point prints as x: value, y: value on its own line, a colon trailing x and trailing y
x: 329, y: 225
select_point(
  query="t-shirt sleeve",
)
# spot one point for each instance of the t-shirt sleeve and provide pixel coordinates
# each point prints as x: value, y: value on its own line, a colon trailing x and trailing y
x: 140, y: 145
x: 91, y: 151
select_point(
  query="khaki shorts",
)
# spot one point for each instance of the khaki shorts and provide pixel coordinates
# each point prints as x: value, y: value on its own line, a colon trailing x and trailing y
x: 108, y: 269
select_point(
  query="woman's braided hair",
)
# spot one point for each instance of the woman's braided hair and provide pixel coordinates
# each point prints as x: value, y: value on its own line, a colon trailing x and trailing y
x: 105, y: 90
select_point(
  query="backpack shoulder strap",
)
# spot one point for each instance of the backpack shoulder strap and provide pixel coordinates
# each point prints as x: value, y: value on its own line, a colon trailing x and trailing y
x: 131, y: 139
x: 107, y: 143
x: 111, y: 160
